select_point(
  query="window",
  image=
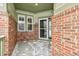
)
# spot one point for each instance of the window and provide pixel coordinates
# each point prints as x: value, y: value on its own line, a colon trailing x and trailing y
x: 29, y: 23
x: 21, y: 23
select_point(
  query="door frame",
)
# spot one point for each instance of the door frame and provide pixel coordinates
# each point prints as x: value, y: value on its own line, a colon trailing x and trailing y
x: 47, y: 28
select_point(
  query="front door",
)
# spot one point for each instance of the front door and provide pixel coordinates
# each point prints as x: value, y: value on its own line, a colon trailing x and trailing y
x: 43, y: 28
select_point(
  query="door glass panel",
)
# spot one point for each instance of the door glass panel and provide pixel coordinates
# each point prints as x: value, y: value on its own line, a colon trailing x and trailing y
x: 43, y: 28
x: 43, y: 24
x: 43, y: 33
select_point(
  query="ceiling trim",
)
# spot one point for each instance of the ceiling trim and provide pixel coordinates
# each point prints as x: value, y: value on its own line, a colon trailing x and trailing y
x: 24, y: 12
x: 31, y: 13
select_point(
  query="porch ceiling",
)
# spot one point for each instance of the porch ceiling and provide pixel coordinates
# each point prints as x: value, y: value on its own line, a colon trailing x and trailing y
x: 31, y: 7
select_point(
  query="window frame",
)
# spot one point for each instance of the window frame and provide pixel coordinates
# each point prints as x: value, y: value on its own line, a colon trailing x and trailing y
x: 30, y: 23
x: 23, y: 22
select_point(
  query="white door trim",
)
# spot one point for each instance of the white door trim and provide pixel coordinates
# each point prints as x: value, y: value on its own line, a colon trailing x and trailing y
x: 47, y: 28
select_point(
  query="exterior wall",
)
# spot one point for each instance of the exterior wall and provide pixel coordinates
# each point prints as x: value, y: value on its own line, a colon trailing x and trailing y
x: 3, y: 26
x: 43, y: 14
x: 24, y: 36
x: 2, y: 23
x: 11, y: 9
x: 65, y: 31
x: 2, y: 18
x: 10, y: 32
x: 10, y: 35
x: 59, y: 7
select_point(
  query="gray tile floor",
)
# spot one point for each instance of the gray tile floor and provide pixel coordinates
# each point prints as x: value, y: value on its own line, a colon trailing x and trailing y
x: 33, y: 48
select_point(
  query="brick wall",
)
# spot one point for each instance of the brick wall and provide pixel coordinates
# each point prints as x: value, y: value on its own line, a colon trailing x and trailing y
x: 2, y: 23
x: 26, y: 36
x: 65, y: 32
x: 12, y: 34
x: 8, y: 29
x: 4, y: 29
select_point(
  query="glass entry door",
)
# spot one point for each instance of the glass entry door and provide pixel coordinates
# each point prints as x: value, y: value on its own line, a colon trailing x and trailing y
x: 43, y: 28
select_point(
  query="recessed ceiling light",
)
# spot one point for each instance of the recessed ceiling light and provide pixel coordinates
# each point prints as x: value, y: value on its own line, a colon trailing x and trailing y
x: 36, y: 4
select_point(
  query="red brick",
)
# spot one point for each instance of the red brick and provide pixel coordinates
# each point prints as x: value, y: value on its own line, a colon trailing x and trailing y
x: 67, y: 41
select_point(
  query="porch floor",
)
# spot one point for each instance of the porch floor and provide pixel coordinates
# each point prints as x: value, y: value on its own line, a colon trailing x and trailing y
x: 33, y: 48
